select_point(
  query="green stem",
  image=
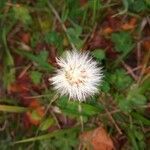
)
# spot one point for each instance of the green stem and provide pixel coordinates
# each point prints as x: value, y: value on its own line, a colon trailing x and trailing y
x: 15, y: 109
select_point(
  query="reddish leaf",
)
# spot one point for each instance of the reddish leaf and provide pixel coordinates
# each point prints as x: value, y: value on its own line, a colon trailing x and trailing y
x: 25, y: 37
x: 129, y: 25
x: 98, y: 139
x: 34, y: 104
x: 39, y: 112
x: 107, y: 30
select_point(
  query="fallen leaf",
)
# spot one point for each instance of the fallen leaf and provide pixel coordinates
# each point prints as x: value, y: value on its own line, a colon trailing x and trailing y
x: 25, y: 37
x: 34, y: 103
x: 130, y: 25
x: 107, y: 30
x: 35, y: 116
x: 98, y: 139
x: 33, y: 121
x: 38, y: 112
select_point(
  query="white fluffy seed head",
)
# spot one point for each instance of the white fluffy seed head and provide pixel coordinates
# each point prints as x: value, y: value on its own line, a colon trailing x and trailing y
x: 78, y: 76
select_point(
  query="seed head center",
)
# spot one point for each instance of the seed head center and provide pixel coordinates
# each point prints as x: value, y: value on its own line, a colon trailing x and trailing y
x: 75, y: 76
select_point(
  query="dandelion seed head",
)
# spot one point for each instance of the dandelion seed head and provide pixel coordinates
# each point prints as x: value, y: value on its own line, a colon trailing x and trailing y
x: 78, y: 76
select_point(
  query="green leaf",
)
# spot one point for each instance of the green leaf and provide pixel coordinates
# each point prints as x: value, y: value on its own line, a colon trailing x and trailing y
x: 74, y: 36
x: 35, y: 115
x: 133, y: 99
x: 99, y: 54
x: 36, y: 77
x: 140, y: 118
x: 137, y: 99
x: 53, y: 38
x: 2, y: 4
x: 35, y: 38
x: 43, y: 55
x: 66, y: 141
x: 123, y: 104
x: 137, y: 5
x: 22, y: 13
x: 144, y: 87
x: 136, y: 137
x: 105, y: 87
x: 46, y: 123
x: 40, y: 59
x: 135, y: 96
x: 72, y: 107
x: 123, y: 41
x: 147, y: 3
x: 119, y: 79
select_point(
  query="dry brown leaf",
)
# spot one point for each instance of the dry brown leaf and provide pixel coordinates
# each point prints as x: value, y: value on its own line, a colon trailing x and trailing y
x: 130, y: 25
x: 107, y: 30
x: 98, y: 139
x: 39, y: 113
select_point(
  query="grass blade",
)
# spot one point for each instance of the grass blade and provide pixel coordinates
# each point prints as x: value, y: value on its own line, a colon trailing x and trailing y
x: 15, y: 109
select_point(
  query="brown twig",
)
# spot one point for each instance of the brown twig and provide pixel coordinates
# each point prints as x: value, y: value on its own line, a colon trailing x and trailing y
x: 111, y: 118
x: 146, y: 60
x: 118, y: 110
x: 130, y: 71
x: 136, y: 68
x: 138, y: 53
x: 24, y: 71
x: 60, y: 21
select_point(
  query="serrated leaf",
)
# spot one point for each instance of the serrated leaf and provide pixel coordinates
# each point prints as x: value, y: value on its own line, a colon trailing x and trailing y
x: 73, y: 34
x: 119, y: 79
x: 99, y: 54
x: 105, y: 87
x: 135, y: 96
x: 123, y: 104
x: 53, y: 38
x: 36, y: 77
x: 123, y: 41
x: 133, y: 99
